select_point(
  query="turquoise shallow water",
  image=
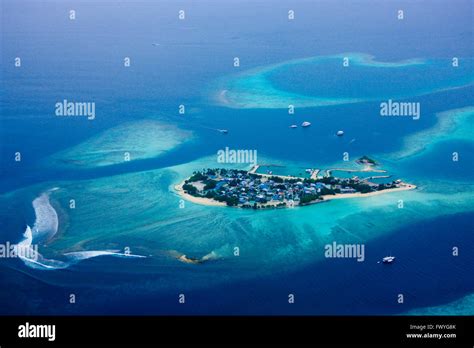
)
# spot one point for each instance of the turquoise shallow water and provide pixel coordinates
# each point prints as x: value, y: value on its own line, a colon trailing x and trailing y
x: 351, y: 174
x: 141, y: 212
x: 284, y: 170
x: 384, y: 79
x: 462, y: 306
x: 284, y: 84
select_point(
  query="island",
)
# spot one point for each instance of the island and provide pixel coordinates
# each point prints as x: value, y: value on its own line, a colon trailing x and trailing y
x: 251, y: 190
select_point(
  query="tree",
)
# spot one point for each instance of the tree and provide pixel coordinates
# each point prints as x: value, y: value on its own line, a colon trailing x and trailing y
x: 190, y: 189
x: 232, y: 201
x: 210, y: 194
x: 210, y: 184
x: 197, y: 176
x: 326, y: 191
x: 277, y: 179
x: 309, y: 197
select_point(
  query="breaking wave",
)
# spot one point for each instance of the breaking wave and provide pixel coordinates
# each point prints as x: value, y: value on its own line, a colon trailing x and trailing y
x: 45, y: 227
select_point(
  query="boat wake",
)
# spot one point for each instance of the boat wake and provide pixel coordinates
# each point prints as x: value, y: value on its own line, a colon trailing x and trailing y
x: 27, y: 252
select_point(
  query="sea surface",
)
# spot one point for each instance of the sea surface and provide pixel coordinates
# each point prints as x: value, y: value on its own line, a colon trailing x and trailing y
x: 111, y: 231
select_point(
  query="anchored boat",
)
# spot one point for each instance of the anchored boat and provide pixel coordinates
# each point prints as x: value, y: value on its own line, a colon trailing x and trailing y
x: 388, y: 259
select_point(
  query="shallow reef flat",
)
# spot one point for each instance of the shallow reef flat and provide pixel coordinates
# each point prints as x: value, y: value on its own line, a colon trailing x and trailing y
x: 130, y: 141
x: 462, y: 306
x: 142, y: 211
x: 456, y: 124
x: 310, y: 82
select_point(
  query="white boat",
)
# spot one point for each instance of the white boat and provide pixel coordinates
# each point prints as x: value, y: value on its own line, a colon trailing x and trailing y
x: 293, y: 126
x: 340, y: 133
x: 388, y: 259
x: 306, y: 124
x: 224, y: 131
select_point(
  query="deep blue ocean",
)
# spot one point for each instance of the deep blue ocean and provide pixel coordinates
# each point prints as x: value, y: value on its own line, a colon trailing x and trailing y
x: 83, y: 60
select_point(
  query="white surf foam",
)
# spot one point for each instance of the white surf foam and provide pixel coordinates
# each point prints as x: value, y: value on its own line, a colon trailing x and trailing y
x: 46, y: 218
x: 37, y: 261
x: 30, y: 256
x: 84, y: 255
x: 46, y: 226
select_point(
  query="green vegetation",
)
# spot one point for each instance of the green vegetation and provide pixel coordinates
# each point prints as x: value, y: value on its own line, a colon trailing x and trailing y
x: 329, y: 180
x: 210, y: 194
x: 366, y: 159
x: 308, y: 198
x: 326, y: 191
x: 197, y: 176
x: 255, y: 191
x: 229, y: 200
x: 209, y: 184
x: 188, y: 188
x: 277, y: 179
x: 362, y: 188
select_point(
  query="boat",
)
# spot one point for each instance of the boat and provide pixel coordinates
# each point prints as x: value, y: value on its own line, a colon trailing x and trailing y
x: 340, y: 133
x: 224, y: 131
x: 293, y: 126
x: 306, y: 124
x: 388, y: 259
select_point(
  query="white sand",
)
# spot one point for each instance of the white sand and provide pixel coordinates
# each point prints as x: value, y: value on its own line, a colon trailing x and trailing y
x: 197, y: 200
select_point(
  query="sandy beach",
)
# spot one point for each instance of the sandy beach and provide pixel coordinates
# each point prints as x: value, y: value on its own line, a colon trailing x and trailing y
x: 404, y: 187
x: 198, y: 200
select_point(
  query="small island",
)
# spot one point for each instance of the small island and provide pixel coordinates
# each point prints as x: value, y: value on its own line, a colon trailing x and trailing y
x: 251, y: 190
x: 365, y: 160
